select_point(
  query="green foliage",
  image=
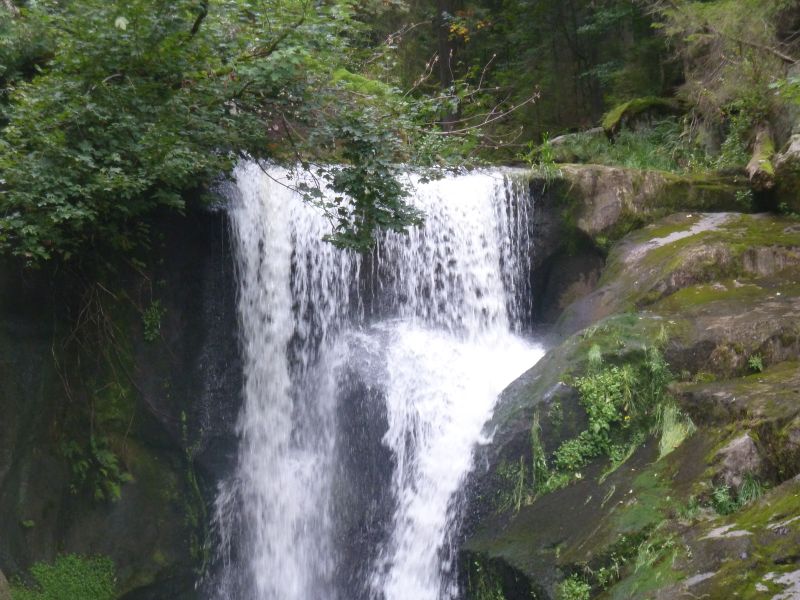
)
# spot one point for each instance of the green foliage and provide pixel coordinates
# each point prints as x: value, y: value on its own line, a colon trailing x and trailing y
x: 733, y: 152
x: 756, y: 363
x: 733, y: 52
x: 483, y: 584
x: 542, y: 159
x: 724, y: 501
x: 573, y: 588
x: 140, y: 103
x: 750, y: 490
x: 71, y: 577
x: 196, y: 517
x: 95, y: 467
x: 674, y: 426
x: 744, y: 198
x: 514, y: 491
x: 788, y: 88
x: 623, y: 404
x: 690, y: 510
x: 663, y: 146
x: 151, y: 320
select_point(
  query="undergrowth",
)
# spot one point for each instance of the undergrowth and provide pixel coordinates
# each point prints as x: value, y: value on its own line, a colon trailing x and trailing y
x: 624, y: 404
x: 725, y: 500
x: 70, y: 577
x: 665, y: 145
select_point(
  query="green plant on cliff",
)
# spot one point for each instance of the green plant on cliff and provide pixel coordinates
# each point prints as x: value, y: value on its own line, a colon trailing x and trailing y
x: 95, y: 467
x: 756, y: 363
x: 725, y: 501
x: 70, y: 577
x: 624, y: 404
x: 573, y: 588
x: 151, y: 320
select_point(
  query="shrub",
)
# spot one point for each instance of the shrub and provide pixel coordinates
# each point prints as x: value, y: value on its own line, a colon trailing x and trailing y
x: 70, y: 577
x: 573, y: 588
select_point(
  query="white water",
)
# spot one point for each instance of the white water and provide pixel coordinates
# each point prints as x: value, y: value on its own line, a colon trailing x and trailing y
x: 451, y: 298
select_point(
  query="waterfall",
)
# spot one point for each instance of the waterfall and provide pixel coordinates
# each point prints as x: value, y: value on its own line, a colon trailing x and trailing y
x: 423, y: 334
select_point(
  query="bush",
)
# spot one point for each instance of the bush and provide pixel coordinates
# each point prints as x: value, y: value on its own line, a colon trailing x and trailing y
x: 71, y: 577
x: 573, y: 589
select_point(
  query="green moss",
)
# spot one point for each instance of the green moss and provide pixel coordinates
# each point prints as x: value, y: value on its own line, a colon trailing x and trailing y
x: 612, y: 120
x: 643, y: 581
x: 698, y: 295
x: 705, y: 191
x: 359, y: 83
x: 669, y: 226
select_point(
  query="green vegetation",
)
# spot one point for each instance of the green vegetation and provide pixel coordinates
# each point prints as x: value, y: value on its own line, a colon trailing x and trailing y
x: 542, y: 160
x: 70, y: 577
x: 573, y: 588
x: 661, y: 145
x: 623, y: 404
x: 95, y: 468
x: 483, y: 583
x: 116, y: 110
x: 151, y: 320
x: 724, y: 501
x: 756, y: 363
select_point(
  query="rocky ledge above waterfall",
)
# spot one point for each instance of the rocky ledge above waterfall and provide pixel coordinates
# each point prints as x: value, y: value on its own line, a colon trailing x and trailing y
x: 706, y: 501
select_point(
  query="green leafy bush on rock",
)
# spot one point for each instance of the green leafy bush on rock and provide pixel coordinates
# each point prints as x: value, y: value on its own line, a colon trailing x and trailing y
x: 70, y: 577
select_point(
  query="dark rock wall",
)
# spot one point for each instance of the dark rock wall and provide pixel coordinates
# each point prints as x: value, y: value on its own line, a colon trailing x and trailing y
x: 178, y: 438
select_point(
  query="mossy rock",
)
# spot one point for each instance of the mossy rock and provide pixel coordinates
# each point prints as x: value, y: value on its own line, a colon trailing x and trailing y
x: 749, y: 554
x: 638, y: 110
x: 686, y: 250
x: 609, y: 202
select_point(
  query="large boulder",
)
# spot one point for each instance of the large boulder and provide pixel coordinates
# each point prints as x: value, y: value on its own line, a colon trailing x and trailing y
x: 721, y: 293
x: 576, y: 217
x: 686, y: 250
x: 611, y: 201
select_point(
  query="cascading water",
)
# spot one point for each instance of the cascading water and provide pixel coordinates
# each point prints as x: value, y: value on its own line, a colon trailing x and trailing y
x: 445, y: 305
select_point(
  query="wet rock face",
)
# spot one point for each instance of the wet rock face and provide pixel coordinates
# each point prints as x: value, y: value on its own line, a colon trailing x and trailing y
x: 184, y: 390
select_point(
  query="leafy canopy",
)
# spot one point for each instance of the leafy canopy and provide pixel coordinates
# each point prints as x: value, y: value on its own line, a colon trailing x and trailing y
x: 115, y: 109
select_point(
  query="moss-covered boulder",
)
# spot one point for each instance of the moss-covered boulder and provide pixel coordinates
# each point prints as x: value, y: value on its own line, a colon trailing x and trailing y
x: 721, y: 294
x: 578, y: 216
x: 608, y: 201
x: 690, y: 249
x: 638, y: 112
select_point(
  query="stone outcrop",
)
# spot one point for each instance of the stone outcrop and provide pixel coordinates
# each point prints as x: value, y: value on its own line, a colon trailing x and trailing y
x: 724, y: 289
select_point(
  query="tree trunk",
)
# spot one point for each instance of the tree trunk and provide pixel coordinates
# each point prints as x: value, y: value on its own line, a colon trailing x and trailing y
x: 446, y: 51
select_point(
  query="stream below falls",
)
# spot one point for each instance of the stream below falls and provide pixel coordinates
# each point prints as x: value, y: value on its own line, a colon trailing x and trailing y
x: 368, y: 383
